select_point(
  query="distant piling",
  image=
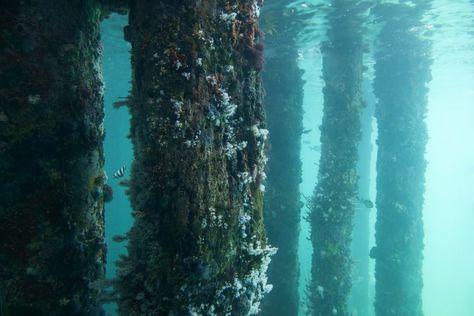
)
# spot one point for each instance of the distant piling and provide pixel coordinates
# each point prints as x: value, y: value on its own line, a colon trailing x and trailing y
x: 402, y: 71
x: 333, y: 203
x: 283, y: 84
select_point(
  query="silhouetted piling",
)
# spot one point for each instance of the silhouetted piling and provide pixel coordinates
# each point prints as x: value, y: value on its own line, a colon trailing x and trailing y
x: 334, y: 199
x: 402, y: 72
x: 52, y: 247
x: 284, y: 106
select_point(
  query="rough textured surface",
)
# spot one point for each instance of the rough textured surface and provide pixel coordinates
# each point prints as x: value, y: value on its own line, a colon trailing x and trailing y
x: 284, y: 99
x: 110, y: 6
x: 332, y: 206
x: 51, y: 206
x: 403, y: 59
x: 198, y: 243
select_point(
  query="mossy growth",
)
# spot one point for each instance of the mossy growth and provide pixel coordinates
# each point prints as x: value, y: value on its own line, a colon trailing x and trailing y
x: 198, y: 244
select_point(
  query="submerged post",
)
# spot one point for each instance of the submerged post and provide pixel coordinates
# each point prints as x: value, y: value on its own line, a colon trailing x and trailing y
x: 198, y: 244
x: 51, y: 191
x: 402, y: 71
x: 284, y: 106
x: 334, y: 199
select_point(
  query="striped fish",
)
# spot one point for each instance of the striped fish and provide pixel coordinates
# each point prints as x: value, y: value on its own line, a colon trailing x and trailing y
x: 120, y: 172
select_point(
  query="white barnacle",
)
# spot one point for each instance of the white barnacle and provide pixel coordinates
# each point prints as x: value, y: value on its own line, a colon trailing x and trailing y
x: 200, y: 34
x: 320, y: 290
x: 256, y: 9
x: 34, y: 99
x: 229, y: 150
x: 186, y: 75
x: 241, y: 145
x: 325, y: 216
x: 263, y: 133
x: 212, y: 214
x: 178, y: 106
x: 244, y: 219
x: 211, y: 43
x: 225, y: 97
x: 211, y: 80
x: 228, y: 17
x: 267, y: 288
x: 259, y: 132
x: 229, y: 110
x: 254, y: 129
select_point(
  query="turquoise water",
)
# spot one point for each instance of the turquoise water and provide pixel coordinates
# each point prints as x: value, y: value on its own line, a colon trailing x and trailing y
x: 449, y: 206
x: 449, y: 199
x: 118, y: 148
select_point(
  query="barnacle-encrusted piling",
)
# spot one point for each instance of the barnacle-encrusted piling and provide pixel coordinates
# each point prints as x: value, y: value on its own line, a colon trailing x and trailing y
x: 51, y: 190
x: 332, y: 206
x: 402, y: 71
x: 198, y: 244
x: 283, y: 84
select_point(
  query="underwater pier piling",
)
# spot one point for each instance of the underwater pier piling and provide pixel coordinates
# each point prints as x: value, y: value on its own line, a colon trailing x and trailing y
x: 403, y: 59
x: 284, y: 101
x: 333, y: 203
x: 198, y: 244
x: 51, y: 108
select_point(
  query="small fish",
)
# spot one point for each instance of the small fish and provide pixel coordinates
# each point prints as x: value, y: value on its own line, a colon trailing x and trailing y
x: 120, y: 172
x: 126, y: 101
x: 367, y: 203
x: 119, y: 238
x: 306, y: 131
x: 373, y: 252
x: 124, y: 183
x: 108, y: 193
